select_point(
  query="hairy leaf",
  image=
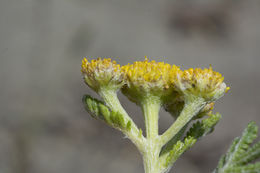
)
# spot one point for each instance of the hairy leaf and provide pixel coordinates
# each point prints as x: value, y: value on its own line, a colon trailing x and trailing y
x: 178, y: 149
x: 99, y: 110
x: 204, y: 127
x: 240, y: 154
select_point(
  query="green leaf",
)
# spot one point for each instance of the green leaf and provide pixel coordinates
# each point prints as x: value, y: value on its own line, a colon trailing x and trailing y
x: 95, y: 107
x: 128, y: 125
x: 232, y: 148
x: 178, y: 149
x: 140, y: 133
x: 250, y: 168
x: 247, y: 138
x: 87, y: 100
x: 240, y: 154
x: 118, y: 119
x: 252, y: 154
x: 99, y: 110
x: 204, y: 127
x: 105, y: 112
x: 173, y: 141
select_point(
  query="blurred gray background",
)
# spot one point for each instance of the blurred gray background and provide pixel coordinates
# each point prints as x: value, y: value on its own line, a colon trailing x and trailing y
x: 43, y: 125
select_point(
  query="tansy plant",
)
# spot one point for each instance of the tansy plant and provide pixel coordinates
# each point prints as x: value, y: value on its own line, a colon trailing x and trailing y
x: 188, y: 95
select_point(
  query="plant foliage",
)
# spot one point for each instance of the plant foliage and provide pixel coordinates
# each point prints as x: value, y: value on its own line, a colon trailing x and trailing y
x: 98, y: 110
x: 240, y: 154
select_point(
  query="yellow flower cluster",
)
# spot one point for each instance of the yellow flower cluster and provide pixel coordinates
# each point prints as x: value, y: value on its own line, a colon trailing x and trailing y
x: 101, y: 73
x: 156, y: 77
x: 149, y: 74
x: 203, y: 82
x: 98, y: 65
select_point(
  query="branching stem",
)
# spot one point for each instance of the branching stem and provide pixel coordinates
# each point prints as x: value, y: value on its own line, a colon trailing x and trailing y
x: 111, y: 99
x: 191, y: 108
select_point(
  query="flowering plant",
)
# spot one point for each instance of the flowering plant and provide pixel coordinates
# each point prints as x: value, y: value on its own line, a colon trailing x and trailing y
x: 188, y: 95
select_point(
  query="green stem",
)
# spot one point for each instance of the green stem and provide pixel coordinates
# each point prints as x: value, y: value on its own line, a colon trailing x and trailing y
x: 150, y: 108
x: 191, y: 108
x: 151, y: 158
x: 110, y: 98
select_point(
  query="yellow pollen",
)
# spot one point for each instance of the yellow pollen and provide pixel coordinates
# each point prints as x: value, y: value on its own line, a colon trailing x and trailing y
x: 102, y: 72
x: 227, y: 89
x: 205, y: 76
x: 98, y: 65
x: 144, y: 72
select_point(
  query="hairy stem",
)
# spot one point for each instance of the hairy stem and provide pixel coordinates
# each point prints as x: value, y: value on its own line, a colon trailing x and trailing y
x: 110, y: 98
x: 150, y: 108
x: 191, y: 108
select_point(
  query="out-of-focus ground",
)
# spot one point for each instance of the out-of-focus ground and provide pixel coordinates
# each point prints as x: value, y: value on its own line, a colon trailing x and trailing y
x: 43, y: 125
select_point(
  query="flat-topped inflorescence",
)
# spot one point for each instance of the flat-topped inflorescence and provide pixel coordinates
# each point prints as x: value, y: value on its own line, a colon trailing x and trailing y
x: 187, y: 95
x: 151, y: 78
x: 102, y: 73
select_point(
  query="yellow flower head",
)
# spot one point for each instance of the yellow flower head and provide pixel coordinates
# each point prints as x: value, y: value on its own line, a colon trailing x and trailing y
x: 102, y: 73
x: 146, y: 76
x: 205, y: 83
